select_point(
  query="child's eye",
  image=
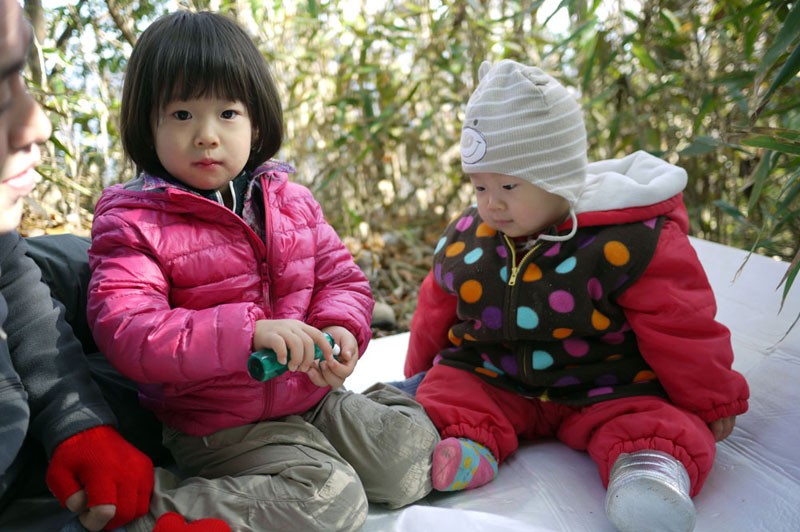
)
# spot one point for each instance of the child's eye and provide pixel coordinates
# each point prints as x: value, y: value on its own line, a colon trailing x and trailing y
x: 182, y: 115
x: 228, y: 114
x: 479, y: 188
x: 510, y: 186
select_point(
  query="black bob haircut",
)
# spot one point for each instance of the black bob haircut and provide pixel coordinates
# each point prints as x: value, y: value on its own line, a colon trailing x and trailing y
x: 187, y: 55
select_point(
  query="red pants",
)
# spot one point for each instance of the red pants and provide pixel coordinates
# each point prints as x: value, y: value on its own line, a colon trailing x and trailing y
x: 463, y: 405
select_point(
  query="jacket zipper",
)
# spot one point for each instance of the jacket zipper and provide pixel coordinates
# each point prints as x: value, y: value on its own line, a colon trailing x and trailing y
x: 256, y: 242
x: 512, y: 281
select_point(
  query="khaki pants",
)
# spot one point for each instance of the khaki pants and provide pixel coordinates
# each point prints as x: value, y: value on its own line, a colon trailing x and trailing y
x: 311, y: 472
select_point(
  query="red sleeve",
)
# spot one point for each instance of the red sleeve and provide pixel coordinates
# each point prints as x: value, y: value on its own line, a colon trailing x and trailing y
x: 672, y: 310
x: 433, y: 317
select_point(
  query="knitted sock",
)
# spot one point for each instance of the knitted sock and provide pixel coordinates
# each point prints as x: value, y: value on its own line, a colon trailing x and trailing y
x: 461, y: 464
x: 172, y: 522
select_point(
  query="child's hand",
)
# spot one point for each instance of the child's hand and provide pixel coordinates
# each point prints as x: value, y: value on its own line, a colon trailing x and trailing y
x: 331, y: 372
x: 722, y: 428
x: 293, y: 337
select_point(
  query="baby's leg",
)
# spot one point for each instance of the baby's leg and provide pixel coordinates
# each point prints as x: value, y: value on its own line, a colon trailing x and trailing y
x: 611, y: 428
x: 387, y: 438
x: 280, y: 475
x: 652, y: 457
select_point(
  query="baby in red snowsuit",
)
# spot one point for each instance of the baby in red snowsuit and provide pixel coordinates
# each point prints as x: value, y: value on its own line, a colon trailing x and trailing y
x: 569, y: 302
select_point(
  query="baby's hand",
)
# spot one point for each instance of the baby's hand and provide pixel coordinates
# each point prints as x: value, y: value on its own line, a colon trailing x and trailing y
x: 722, y: 428
x: 292, y: 340
x: 330, y: 371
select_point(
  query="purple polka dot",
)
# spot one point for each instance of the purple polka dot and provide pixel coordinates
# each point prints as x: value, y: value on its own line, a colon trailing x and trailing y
x: 492, y: 317
x: 509, y: 364
x: 477, y: 324
x: 595, y: 288
x: 606, y: 380
x: 502, y: 252
x: 437, y: 359
x: 585, y: 240
x: 437, y: 273
x: 599, y: 391
x: 625, y: 327
x: 621, y: 281
x: 567, y: 381
x: 553, y: 251
x: 576, y: 347
x: 448, y: 281
x: 464, y: 223
x: 562, y: 301
x: 651, y: 223
x: 613, y: 338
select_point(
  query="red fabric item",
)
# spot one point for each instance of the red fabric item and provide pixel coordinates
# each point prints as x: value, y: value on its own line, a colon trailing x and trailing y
x: 111, y: 470
x: 435, y: 314
x: 491, y: 416
x: 632, y: 424
x: 671, y: 308
x: 496, y: 418
x: 172, y: 522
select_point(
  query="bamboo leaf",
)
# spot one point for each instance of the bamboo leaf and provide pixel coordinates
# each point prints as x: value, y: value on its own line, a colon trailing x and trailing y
x: 787, y: 72
x: 643, y: 56
x: 770, y: 143
x: 759, y: 176
x: 788, y: 33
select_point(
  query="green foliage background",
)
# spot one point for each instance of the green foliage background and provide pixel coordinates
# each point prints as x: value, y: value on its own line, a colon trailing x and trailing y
x: 374, y: 98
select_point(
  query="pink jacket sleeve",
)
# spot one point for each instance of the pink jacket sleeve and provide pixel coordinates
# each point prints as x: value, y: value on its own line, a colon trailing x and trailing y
x: 433, y: 317
x: 672, y: 310
x: 342, y: 295
x: 135, y: 327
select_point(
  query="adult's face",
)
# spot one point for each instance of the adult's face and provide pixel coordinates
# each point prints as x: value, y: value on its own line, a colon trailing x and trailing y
x: 23, y: 125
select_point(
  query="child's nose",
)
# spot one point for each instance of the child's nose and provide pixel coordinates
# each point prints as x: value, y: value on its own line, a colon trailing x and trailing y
x: 206, y: 138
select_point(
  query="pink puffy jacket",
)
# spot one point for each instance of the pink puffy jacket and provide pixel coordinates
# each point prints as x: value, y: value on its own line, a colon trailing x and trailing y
x: 178, y: 282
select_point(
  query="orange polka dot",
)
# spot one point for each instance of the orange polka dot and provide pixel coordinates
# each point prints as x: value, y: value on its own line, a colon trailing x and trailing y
x: 485, y: 371
x: 455, y: 340
x: 562, y: 333
x: 599, y: 321
x: 532, y: 273
x: 614, y: 357
x: 454, y: 249
x: 484, y: 230
x: 471, y: 291
x: 616, y: 253
x: 644, y: 375
x: 545, y: 398
x: 470, y: 338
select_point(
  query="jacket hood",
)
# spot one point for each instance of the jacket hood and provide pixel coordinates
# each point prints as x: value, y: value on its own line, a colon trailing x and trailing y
x: 635, y: 188
x: 637, y: 180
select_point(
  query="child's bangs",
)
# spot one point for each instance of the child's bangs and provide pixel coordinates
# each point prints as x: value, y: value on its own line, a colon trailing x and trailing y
x: 199, y: 73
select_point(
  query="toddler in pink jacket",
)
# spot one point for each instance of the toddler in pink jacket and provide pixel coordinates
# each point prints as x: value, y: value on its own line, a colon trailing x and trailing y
x: 211, y: 253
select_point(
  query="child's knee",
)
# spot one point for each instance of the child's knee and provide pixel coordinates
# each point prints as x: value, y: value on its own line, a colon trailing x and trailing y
x: 340, y: 505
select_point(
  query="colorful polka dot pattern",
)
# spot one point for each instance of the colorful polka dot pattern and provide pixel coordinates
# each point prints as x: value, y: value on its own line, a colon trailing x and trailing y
x: 556, y: 331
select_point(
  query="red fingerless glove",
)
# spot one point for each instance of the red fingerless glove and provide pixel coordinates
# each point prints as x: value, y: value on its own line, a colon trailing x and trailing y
x: 111, y: 470
x: 172, y: 522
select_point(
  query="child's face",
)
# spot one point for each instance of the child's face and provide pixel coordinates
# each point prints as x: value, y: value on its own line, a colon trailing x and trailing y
x: 515, y: 206
x: 203, y: 142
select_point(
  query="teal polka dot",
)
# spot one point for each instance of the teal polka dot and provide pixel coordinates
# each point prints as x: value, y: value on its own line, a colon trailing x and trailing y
x: 567, y: 266
x: 473, y: 256
x: 504, y: 274
x: 542, y: 360
x: 527, y: 318
x: 492, y: 367
x: 440, y: 244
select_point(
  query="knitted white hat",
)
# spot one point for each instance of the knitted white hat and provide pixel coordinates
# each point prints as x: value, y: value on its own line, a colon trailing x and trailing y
x: 522, y: 122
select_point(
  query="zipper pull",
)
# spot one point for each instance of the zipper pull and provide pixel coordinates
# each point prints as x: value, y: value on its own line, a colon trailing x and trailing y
x: 512, y: 280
